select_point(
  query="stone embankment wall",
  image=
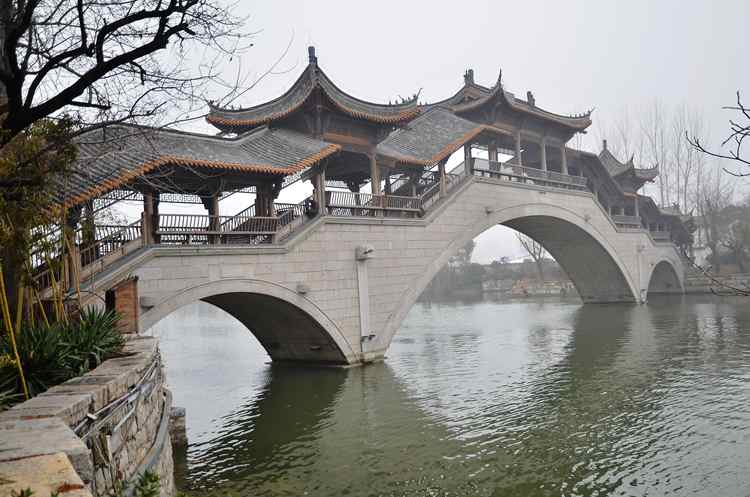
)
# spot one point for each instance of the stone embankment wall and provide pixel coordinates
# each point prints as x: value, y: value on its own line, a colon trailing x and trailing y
x: 83, y: 437
x: 699, y: 283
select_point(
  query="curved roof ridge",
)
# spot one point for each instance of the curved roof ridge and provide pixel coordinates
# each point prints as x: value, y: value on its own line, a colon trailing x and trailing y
x: 213, y: 107
x: 577, y: 121
x: 407, y: 103
x: 313, y: 77
x: 616, y: 168
x: 612, y: 164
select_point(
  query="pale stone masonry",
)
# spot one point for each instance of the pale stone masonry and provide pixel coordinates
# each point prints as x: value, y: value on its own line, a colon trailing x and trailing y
x: 38, y: 443
x: 301, y: 299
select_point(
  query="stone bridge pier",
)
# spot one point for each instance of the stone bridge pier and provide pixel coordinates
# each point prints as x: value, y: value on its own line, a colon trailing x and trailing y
x: 338, y: 290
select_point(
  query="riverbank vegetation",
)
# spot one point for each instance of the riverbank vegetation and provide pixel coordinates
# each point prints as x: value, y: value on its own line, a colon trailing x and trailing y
x: 51, y: 353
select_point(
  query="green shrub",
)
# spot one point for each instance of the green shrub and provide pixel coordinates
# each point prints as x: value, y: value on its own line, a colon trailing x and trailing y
x: 92, y: 339
x: 44, y: 357
x: 52, y: 354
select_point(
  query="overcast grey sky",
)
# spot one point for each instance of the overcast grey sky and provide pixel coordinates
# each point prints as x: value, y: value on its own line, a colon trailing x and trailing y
x: 573, y: 55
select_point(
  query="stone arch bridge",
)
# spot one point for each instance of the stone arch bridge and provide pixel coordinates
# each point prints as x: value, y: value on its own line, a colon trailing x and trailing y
x: 337, y: 288
x: 331, y: 279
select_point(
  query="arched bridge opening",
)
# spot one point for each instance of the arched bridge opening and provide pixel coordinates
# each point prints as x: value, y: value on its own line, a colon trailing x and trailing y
x: 590, y: 266
x: 288, y: 326
x: 664, y: 279
x: 286, y: 332
x: 583, y: 253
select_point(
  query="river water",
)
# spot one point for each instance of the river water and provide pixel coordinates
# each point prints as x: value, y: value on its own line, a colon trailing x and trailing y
x: 487, y: 399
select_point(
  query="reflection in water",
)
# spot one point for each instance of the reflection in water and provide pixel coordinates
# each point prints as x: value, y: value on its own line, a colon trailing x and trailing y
x: 477, y: 399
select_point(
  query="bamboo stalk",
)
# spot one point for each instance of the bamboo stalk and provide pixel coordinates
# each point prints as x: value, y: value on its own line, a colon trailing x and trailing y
x: 9, y: 327
x: 41, y: 307
x: 19, y: 307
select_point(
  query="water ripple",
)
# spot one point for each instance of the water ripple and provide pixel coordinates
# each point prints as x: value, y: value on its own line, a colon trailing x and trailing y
x: 488, y: 399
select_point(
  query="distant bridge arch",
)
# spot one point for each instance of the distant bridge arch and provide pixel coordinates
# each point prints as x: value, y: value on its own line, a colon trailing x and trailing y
x: 583, y: 252
x: 665, y: 278
x: 287, y: 325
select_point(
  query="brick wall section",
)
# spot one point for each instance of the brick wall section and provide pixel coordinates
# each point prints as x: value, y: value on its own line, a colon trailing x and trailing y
x: 126, y: 304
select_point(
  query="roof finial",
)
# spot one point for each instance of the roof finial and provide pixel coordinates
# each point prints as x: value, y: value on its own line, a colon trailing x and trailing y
x: 469, y: 77
x: 311, y: 55
x: 604, y: 144
x: 530, y: 98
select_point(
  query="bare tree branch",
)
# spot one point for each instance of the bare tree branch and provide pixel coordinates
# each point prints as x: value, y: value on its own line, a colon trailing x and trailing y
x: 739, y: 132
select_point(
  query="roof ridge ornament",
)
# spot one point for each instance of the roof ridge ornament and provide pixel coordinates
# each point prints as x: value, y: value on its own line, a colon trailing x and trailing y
x: 469, y: 77
x: 312, y: 58
x: 530, y: 98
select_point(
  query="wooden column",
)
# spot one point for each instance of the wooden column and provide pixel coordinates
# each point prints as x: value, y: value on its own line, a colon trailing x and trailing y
x: 374, y: 176
x: 443, y: 183
x: 543, y: 151
x: 635, y: 205
x: 212, y: 206
x: 375, y: 183
x: 155, y: 218
x: 492, y: 151
x: 519, y: 159
x: 388, y: 183
x: 147, y: 219
x: 564, y: 163
x: 468, y: 160
x: 322, y: 200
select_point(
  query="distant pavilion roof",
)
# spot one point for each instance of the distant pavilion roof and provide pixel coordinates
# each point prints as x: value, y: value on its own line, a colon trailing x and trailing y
x: 431, y: 137
x: 312, y: 78
x: 616, y: 168
x: 472, y: 96
x: 110, y: 157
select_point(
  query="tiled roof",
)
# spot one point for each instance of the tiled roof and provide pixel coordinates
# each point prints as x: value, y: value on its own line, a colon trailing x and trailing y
x: 647, y: 174
x: 472, y: 96
x: 429, y: 138
x: 312, y: 78
x: 112, y: 156
x: 615, y: 168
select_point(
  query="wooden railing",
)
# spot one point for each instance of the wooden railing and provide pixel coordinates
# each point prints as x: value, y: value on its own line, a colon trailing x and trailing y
x: 431, y: 194
x: 110, y: 243
x: 341, y: 203
x: 626, y: 221
x: 528, y: 175
x: 231, y: 223
x: 110, y: 239
x: 191, y: 229
x: 403, y: 185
